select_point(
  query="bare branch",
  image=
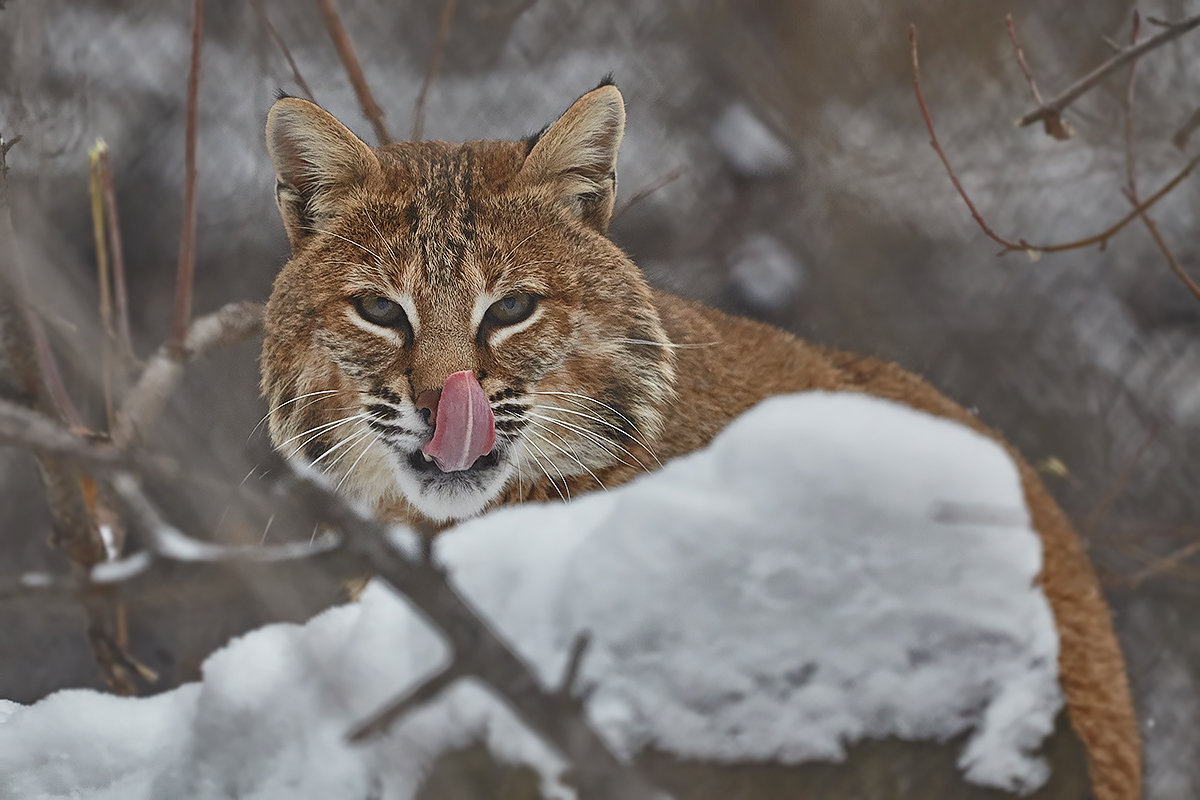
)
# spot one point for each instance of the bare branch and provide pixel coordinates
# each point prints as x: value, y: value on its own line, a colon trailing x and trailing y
x: 185, y: 277
x: 579, y: 648
x: 345, y: 50
x: 1099, y: 239
x: 1054, y: 123
x: 1131, y: 192
x: 143, y: 404
x: 1163, y: 565
x: 641, y: 194
x: 393, y: 712
x: 265, y: 21
x: 435, y: 65
x: 1055, y: 105
x: 39, y: 386
x: 1181, y: 137
x: 364, y: 548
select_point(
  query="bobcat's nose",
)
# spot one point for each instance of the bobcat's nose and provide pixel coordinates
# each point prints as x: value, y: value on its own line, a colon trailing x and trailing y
x: 427, y: 404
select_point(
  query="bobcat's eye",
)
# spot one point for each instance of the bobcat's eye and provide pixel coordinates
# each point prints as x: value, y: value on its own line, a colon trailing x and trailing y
x: 380, y: 310
x: 510, y: 310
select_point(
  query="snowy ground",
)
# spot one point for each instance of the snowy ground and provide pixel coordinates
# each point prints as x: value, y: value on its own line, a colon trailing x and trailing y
x: 796, y: 587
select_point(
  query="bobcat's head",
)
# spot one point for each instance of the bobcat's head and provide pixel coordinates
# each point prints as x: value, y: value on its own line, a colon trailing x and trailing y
x: 453, y: 317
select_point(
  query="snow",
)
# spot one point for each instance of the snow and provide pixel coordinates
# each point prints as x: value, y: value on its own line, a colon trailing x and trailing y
x: 795, y: 587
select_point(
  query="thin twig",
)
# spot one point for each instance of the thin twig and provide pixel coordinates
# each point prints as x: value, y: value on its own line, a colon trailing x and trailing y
x: 1118, y: 484
x: 103, y: 279
x: 1056, y: 105
x: 1127, y: 116
x: 579, y: 648
x: 265, y: 21
x: 185, y: 277
x: 1162, y: 565
x: 1012, y: 35
x: 74, y: 503
x: 419, y: 695
x: 641, y: 194
x: 1181, y: 137
x: 1100, y: 239
x: 1055, y: 125
x: 435, y: 64
x: 345, y: 50
x: 1131, y: 192
x: 364, y: 548
x: 117, y: 250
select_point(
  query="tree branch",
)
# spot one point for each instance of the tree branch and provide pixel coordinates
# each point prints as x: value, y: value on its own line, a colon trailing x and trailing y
x: 364, y: 548
x: 345, y: 50
x: 143, y: 404
x: 409, y: 701
x: 1131, y: 192
x: 265, y: 21
x: 1100, y: 239
x: 1055, y: 105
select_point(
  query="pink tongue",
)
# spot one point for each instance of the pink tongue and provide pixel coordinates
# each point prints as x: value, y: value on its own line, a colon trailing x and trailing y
x: 465, y: 428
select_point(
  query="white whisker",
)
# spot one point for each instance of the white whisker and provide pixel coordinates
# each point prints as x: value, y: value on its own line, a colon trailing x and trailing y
x: 574, y: 458
x: 515, y: 247
x: 358, y: 434
x: 604, y: 422
x: 556, y: 469
x: 386, y: 243
x: 345, y: 239
x: 597, y: 402
x: 538, y: 461
x: 355, y: 464
x: 668, y: 345
x: 263, y: 540
x: 317, y: 431
x: 289, y: 402
x: 597, y: 438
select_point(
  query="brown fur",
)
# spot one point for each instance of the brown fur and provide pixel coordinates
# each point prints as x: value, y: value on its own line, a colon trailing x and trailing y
x: 609, y: 378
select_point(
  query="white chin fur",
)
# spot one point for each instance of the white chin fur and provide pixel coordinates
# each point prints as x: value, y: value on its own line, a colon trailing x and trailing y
x: 449, y: 503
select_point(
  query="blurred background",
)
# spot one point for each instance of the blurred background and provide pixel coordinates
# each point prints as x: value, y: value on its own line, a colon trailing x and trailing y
x: 775, y: 164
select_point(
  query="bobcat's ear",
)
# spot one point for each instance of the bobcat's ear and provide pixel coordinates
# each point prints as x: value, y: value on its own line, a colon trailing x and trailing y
x: 577, y: 155
x: 316, y: 159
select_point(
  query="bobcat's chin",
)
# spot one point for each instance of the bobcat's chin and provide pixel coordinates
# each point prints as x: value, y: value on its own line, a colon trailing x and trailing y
x: 449, y: 496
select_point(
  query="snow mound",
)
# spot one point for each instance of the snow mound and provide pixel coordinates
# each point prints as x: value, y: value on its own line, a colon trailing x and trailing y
x: 831, y: 568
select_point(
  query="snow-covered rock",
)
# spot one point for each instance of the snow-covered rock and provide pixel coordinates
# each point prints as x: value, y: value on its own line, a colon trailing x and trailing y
x: 817, y: 576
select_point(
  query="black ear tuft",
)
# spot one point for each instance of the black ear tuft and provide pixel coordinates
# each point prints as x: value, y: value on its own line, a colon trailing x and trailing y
x: 534, y: 138
x: 607, y: 80
x: 280, y: 94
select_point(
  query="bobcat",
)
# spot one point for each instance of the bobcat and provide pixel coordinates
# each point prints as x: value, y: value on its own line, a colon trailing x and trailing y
x: 454, y: 331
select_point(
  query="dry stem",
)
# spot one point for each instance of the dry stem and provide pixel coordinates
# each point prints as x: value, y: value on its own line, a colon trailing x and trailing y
x: 117, y: 251
x: 282, y: 45
x: 187, y: 238
x: 345, y: 50
x: 435, y: 65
